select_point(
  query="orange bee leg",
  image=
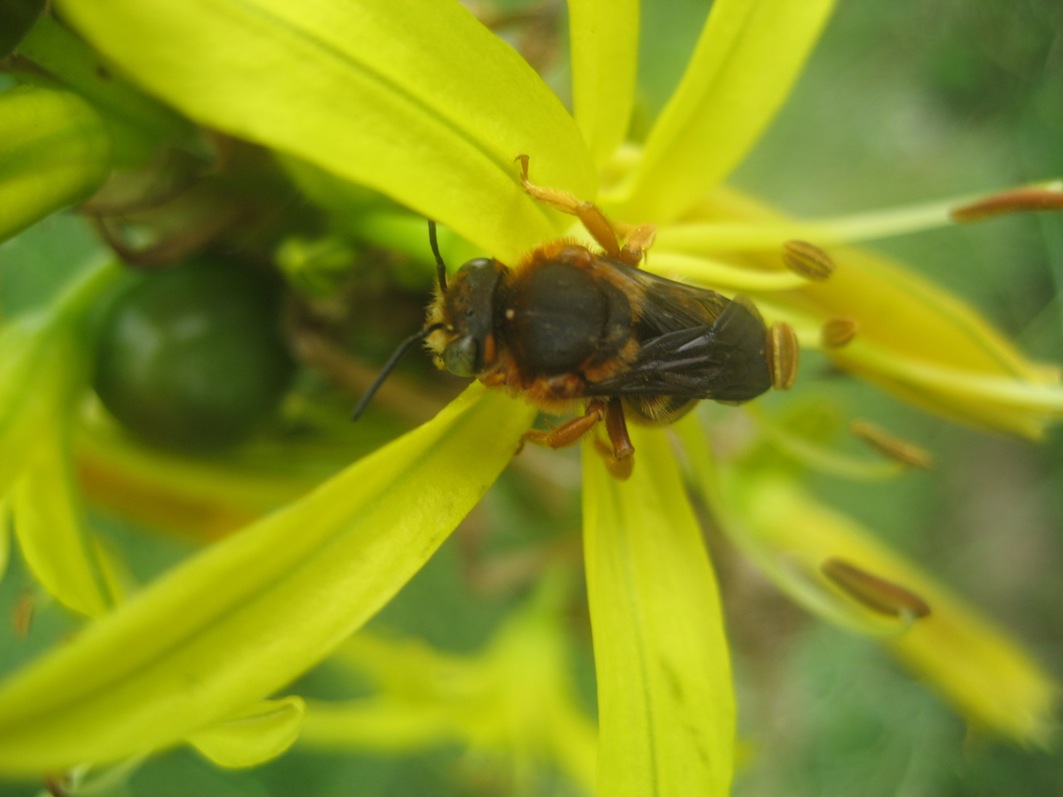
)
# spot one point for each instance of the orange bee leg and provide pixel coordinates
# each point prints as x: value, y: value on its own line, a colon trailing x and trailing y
x: 620, y: 458
x: 570, y: 431
x: 636, y: 241
x: 599, y: 227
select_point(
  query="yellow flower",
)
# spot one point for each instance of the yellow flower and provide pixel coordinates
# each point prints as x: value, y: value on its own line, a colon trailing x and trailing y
x: 424, y: 105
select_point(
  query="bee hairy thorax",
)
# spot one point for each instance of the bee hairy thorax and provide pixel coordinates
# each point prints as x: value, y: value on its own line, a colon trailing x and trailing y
x: 561, y: 321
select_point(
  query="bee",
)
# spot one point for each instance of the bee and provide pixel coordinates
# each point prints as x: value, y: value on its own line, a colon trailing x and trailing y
x: 569, y: 325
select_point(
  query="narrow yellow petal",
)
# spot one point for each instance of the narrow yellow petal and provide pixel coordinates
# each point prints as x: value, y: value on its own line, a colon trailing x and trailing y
x: 138, y: 125
x: 915, y: 339
x: 54, y: 151
x: 513, y: 700
x: 378, y: 724
x: 975, y: 665
x: 416, y: 100
x: 727, y: 235
x: 50, y: 527
x: 254, y: 734
x: 665, y: 700
x: 32, y: 359
x: 244, y: 617
x: 748, y: 57
x: 605, y: 40
x: 5, y: 535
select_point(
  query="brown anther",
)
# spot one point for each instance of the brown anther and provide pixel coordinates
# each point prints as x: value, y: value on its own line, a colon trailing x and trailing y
x: 783, y: 354
x: 875, y: 593
x: 1018, y: 200
x: 22, y: 614
x: 892, y: 446
x: 807, y: 260
x: 838, y: 332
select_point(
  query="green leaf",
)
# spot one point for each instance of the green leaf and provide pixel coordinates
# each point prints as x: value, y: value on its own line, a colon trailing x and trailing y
x: 241, y: 619
x: 253, y: 735
x: 749, y: 55
x: 416, y: 100
x: 666, y: 705
x: 605, y: 40
x: 54, y: 151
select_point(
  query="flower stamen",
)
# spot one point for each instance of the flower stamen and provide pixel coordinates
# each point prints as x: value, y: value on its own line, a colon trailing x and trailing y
x: 808, y: 260
x: 874, y: 592
x: 783, y: 351
x: 836, y: 333
x: 1016, y: 200
x: 22, y: 614
x: 722, y: 275
x: 892, y: 446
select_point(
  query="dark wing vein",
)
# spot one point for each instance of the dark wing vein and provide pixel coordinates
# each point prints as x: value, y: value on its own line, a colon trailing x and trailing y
x: 698, y: 346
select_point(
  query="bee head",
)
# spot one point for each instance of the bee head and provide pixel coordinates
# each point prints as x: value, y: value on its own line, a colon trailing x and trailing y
x: 460, y: 326
x: 468, y: 317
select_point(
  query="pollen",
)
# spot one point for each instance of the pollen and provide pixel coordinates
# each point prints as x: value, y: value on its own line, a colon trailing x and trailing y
x: 807, y: 260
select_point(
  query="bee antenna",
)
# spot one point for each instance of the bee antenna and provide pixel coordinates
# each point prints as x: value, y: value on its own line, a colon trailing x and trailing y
x: 389, y: 366
x: 441, y: 268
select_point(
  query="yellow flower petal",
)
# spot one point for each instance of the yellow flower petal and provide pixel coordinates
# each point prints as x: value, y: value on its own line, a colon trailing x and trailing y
x: 749, y: 55
x: 49, y: 526
x: 605, y: 37
x: 34, y: 356
x: 243, y: 618
x: 915, y: 339
x: 416, y: 100
x: 665, y: 699
x: 252, y: 735
x: 983, y: 673
x: 138, y: 125
x: 513, y: 700
x: 54, y: 151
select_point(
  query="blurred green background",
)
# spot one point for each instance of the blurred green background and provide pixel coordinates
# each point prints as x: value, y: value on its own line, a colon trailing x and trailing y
x: 903, y: 102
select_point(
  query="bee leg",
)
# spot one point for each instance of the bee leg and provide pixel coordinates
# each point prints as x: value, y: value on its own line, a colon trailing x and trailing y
x: 636, y: 241
x: 570, y: 431
x: 620, y: 458
x: 599, y: 227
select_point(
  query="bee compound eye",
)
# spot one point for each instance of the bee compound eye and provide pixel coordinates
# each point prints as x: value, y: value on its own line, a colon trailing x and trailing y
x: 462, y: 357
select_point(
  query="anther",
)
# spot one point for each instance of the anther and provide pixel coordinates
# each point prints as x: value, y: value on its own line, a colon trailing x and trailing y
x: 783, y: 353
x: 807, y: 260
x: 1018, y: 200
x: 874, y: 592
x: 838, y: 332
x: 892, y: 446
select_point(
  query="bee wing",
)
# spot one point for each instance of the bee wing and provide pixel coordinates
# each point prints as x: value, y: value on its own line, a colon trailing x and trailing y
x: 723, y: 360
x: 669, y: 306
